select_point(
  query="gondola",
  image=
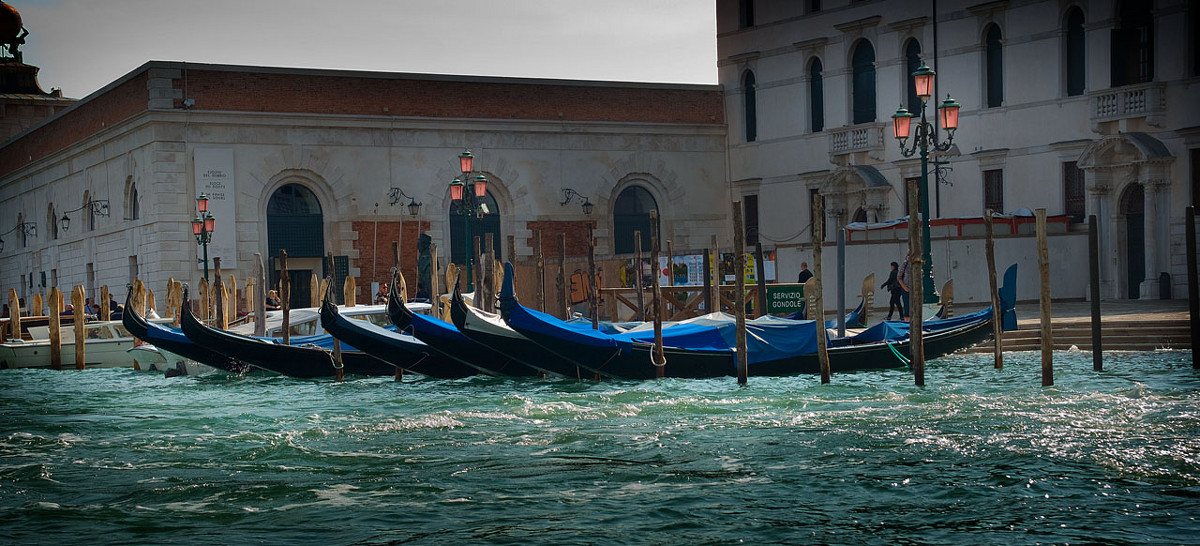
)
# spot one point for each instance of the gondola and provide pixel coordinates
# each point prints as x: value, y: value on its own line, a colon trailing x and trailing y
x: 306, y: 357
x: 778, y: 346
x: 173, y: 339
x: 490, y: 329
x: 446, y: 340
x: 400, y: 350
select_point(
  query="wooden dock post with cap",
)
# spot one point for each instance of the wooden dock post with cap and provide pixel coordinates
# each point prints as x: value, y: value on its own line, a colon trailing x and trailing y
x: 564, y: 299
x: 739, y: 274
x: 638, y: 264
x: 593, y: 298
x: 56, y: 328
x: 540, y: 266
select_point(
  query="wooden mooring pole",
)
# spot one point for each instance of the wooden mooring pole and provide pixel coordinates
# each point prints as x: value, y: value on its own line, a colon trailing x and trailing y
x: 56, y: 328
x: 760, y: 279
x: 657, y: 357
x: 815, y: 286
x: 994, y: 294
x: 78, y: 300
x: 1044, y: 276
x: 638, y: 266
x: 285, y: 296
x: 564, y: 297
x: 714, y: 273
x: 708, y: 275
x: 739, y: 296
x: 1193, y: 284
x: 916, y: 262
x: 593, y: 296
x: 1094, y: 293
x: 540, y: 265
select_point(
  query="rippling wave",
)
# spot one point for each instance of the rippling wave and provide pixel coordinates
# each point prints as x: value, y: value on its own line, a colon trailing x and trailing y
x: 975, y: 455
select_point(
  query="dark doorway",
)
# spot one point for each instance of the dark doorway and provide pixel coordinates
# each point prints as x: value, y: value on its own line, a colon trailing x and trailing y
x: 1132, y: 206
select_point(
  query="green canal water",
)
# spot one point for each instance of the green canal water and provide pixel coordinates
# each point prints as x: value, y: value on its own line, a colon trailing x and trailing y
x: 978, y: 455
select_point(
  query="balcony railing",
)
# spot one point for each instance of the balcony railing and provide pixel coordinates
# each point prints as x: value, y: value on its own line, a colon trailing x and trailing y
x: 864, y: 137
x: 1145, y: 100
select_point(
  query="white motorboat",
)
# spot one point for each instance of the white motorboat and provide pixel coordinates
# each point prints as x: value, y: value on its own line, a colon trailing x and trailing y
x: 107, y: 345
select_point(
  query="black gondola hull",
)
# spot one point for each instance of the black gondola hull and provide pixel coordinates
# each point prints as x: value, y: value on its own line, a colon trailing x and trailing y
x: 394, y: 349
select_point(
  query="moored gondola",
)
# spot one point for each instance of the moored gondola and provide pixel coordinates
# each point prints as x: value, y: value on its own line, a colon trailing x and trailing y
x: 306, y: 357
x: 445, y: 339
x: 400, y: 350
x: 172, y: 339
x: 490, y: 329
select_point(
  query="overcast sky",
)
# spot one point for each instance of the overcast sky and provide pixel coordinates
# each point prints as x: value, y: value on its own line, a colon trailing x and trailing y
x: 83, y: 45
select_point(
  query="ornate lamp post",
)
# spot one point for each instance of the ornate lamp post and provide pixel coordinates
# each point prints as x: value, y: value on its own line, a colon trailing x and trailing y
x: 469, y: 193
x: 26, y: 229
x: 925, y: 138
x: 203, y: 226
x: 572, y: 195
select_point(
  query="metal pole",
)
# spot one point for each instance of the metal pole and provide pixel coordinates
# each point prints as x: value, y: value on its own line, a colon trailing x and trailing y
x: 841, y: 282
x: 204, y: 243
x: 468, y: 210
x: 929, y: 292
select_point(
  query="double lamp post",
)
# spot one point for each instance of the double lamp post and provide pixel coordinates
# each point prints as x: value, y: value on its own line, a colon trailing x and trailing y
x: 925, y: 139
x: 469, y: 194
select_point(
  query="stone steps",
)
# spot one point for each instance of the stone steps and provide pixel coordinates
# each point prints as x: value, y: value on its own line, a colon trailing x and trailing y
x: 1140, y: 335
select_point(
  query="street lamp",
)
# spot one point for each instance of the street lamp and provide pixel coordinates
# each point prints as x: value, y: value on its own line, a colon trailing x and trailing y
x: 203, y: 226
x: 469, y: 194
x: 26, y: 228
x: 570, y: 194
x: 97, y: 207
x: 925, y: 138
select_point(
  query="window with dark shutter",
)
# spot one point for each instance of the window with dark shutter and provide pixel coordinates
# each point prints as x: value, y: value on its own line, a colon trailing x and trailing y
x: 750, y: 211
x: 750, y: 104
x: 912, y: 57
x: 631, y: 212
x: 864, y: 82
x: 993, y: 190
x: 994, y: 51
x: 1075, y: 54
x: 816, y: 97
x: 1074, y: 203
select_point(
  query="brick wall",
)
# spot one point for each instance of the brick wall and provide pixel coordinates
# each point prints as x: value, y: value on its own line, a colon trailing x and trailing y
x: 375, y: 257
x: 576, y: 232
x: 476, y: 98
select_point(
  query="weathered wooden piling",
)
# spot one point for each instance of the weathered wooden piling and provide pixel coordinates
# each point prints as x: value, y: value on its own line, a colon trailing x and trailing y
x: 657, y: 357
x: 564, y: 298
x: 78, y: 300
x: 708, y: 280
x: 739, y: 268
x: 593, y: 299
x: 55, y: 328
x: 840, y: 321
x: 715, y: 275
x: 14, y: 314
x: 638, y: 265
x: 260, y: 298
x: 105, y: 307
x: 540, y: 265
x: 1094, y: 293
x: 993, y: 291
x: 35, y: 305
x: 760, y: 278
x: 285, y: 296
x: 816, y: 287
x: 314, y: 289
x: 1044, y: 276
x: 916, y: 335
x: 1193, y: 283
x: 435, y: 290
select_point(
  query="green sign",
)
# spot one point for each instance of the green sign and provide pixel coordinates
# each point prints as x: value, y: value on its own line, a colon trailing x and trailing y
x: 785, y: 298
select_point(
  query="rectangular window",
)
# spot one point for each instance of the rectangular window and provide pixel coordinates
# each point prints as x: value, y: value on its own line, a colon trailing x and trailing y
x: 814, y: 6
x: 1195, y: 152
x: 750, y: 215
x: 993, y: 190
x: 1074, y: 204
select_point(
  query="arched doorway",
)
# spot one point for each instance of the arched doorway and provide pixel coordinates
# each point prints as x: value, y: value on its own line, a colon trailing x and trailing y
x: 631, y: 212
x: 295, y: 224
x: 1132, y: 208
x: 489, y: 222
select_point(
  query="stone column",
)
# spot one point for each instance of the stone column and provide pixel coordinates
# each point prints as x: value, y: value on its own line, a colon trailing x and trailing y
x: 1099, y: 182
x: 1157, y: 242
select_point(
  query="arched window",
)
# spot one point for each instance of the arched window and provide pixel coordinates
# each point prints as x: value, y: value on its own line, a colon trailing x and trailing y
x: 751, y: 106
x: 294, y: 223
x: 912, y: 60
x: 132, y: 210
x: 480, y: 227
x: 1133, y: 44
x: 863, y: 62
x: 994, y: 61
x: 816, y: 97
x: 1075, y: 53
x: 631, y: 212
x: 51, y: 222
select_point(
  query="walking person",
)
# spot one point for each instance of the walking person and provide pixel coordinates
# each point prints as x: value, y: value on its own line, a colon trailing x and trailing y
x: 904, y: 279
x: 892, y: 285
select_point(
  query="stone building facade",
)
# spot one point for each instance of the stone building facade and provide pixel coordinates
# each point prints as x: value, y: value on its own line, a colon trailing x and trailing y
x: 304, y: 160
x: 1080, y: 107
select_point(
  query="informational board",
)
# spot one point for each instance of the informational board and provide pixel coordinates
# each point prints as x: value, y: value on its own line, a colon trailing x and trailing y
x: 215, y: 179
x: 785, y: 298
x: 688, y: 270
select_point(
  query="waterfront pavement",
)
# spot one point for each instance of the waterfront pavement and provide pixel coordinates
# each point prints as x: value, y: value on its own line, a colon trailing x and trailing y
x: 1110, y: 310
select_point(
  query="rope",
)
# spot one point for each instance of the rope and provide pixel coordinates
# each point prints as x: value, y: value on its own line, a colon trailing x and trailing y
x: 610, y: 359
x: 899, y: 356
x: 653, y: 354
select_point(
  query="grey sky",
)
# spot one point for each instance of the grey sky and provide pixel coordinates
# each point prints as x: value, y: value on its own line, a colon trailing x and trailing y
x: 82, y: 45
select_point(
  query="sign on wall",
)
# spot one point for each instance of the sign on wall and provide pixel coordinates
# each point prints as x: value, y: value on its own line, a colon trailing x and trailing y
x: 214, y: 178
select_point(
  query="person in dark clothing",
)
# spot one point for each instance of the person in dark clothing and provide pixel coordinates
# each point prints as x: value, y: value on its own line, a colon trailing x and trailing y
x: 805, y: 274
x: 893, y: 287
x: 904, y: 278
